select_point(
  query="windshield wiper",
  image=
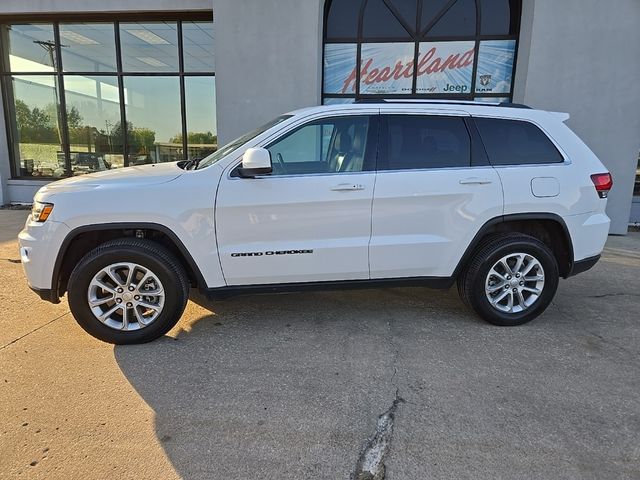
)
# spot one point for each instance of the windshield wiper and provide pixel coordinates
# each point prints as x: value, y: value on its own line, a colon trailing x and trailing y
x: 190, y: 164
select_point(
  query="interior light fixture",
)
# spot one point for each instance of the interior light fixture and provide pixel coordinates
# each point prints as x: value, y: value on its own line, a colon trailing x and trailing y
x: 147, y: 36
x: 154, y: 62
x: 78, y: 38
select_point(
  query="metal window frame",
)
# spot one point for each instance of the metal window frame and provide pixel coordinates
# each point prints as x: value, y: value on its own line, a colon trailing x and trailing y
x: 417, y: 36
x: 55, y: 20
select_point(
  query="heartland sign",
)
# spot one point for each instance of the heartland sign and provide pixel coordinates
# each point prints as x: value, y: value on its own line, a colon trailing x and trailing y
x: 440, y: 67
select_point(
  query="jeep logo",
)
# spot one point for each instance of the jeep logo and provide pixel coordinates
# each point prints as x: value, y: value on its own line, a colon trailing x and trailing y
x: 455, y: 88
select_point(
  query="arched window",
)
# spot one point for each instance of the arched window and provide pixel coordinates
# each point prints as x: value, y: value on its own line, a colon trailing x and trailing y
x: 462, y: 49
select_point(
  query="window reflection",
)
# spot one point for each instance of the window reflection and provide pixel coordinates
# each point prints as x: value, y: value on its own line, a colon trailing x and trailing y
x: 36, y: 129
x: 153, y: 120
x: 197, y: 45
x: 636, y: 185
x: 93, y: 117
x: 88, y: 47
x: 379, y: 22
x: 92, y: 122
x: 499, y: 17
x: 458, y: 21
x: 200, y: 98
x: 149, y: 47
x: 31, y: 47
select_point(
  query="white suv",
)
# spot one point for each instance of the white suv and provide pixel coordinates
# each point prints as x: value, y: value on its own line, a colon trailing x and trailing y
x: 502, y: 200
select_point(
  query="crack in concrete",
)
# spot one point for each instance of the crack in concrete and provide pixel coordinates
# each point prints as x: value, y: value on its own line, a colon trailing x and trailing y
x: 32, y: 331
x: 13, y: 260
x: 370, y: 464
x: 617, y: 294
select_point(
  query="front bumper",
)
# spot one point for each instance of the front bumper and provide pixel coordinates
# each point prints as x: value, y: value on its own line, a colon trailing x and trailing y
x: 46, y: 294
x: 39, y: 245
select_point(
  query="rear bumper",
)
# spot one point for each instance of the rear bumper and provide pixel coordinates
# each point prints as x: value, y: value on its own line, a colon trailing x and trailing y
x: 583, y: 265
x: 588, y: 234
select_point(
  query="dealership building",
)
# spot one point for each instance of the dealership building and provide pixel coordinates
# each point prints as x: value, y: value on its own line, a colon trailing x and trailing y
x: 95, y: 85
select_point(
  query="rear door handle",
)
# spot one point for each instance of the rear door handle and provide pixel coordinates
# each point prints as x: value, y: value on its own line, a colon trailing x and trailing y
x: 342, y: 187
x: 474, y: 181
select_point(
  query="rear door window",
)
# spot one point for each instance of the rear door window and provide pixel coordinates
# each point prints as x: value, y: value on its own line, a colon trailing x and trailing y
x: 516, y: 142
x: 424, y: 141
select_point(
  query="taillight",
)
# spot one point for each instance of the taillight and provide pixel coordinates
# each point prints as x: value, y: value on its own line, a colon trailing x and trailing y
x: 603, y: 183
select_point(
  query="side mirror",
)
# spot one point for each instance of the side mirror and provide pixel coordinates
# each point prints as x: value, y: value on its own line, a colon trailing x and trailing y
x: 255, y: 161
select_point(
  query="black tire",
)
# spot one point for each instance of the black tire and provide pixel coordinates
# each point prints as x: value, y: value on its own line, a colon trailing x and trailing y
x: 471, y: 282
x: 143, y: 252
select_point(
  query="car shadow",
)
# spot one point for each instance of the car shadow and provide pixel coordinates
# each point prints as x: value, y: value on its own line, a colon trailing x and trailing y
x: 280, y: 386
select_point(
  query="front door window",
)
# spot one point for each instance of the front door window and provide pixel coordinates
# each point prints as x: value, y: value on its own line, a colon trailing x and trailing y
x: 334, y: 145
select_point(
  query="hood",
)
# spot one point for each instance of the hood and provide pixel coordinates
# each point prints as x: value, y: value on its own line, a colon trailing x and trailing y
x: 142, y: 175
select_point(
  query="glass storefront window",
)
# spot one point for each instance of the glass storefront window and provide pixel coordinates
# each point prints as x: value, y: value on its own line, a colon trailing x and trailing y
x: 197, y: 46
x: 31, y: 47
x: 106, y: 104
x: 420, y: 49
x: 458, y: 21
x: 379, y: 22
x: 337, y: 101
x: 88, y: 47
x: 153, y: 119
x: 493, y: 99
x: 149, y: 47
x: 495, y: 66
x: 38, y: 147
x: 445, y: 68
x: 340, y: 68
x: 386, y: 68
x: 200, y: 100
x: 93, y: 119
x: 499, y: 17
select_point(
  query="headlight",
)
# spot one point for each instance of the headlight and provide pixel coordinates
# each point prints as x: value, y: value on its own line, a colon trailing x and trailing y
x: 41, y: 211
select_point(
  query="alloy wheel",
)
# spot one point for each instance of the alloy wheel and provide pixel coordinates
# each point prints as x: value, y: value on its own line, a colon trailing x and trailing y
x: 515, y: 282
x: 126, y: 296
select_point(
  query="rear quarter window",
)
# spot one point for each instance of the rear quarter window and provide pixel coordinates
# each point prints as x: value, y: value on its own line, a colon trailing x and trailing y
x: 516, y: 142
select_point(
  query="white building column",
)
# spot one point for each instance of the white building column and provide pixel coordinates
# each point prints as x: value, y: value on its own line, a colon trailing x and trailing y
x: 581, y: 57
x: 268, y: 60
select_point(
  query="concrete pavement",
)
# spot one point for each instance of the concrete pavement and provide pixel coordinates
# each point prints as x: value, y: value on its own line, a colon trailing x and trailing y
x: 291, y: 386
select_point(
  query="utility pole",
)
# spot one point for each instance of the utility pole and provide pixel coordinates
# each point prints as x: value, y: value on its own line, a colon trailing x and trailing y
x: 50, y: 47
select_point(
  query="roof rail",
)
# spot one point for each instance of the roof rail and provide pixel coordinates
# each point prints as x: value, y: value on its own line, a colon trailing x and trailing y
x: 513, y: 105
x: 437, y: 101
x: 434, y: 101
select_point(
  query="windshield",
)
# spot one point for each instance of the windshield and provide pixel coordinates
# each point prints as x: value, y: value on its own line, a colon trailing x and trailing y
x: 231, y: 146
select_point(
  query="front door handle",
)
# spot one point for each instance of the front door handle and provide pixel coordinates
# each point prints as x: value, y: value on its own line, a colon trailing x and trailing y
x: 342, y: 187
x: 474, y: 181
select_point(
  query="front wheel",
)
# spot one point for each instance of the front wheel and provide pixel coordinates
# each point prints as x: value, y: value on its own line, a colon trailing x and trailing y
x: 128, y: 291
x: 511, y: 279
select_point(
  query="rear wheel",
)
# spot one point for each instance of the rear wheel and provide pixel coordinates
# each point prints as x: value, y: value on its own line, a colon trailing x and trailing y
x: 511, y: 279
x: 128, y: 291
